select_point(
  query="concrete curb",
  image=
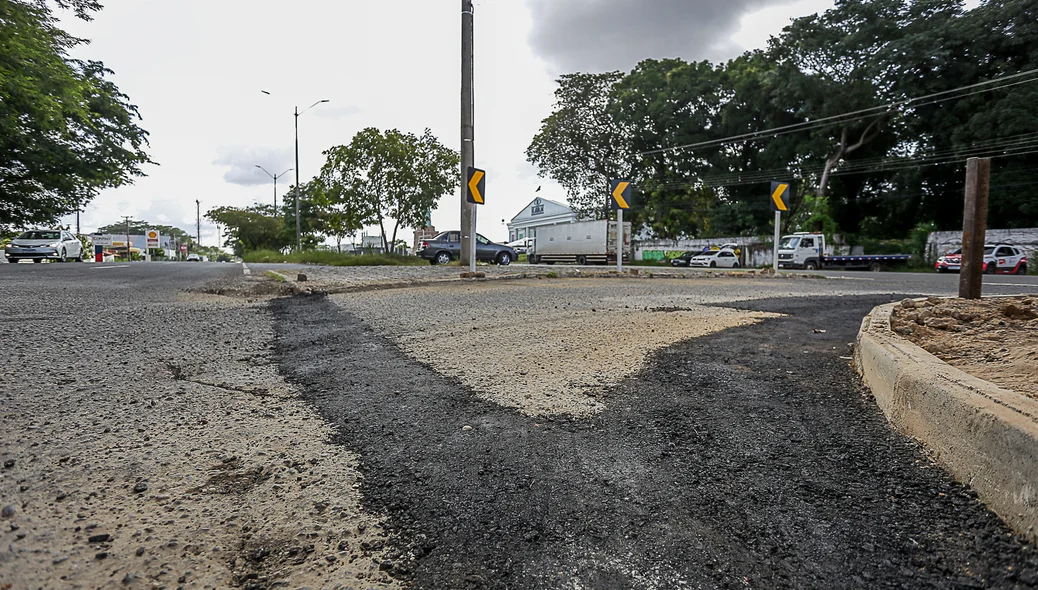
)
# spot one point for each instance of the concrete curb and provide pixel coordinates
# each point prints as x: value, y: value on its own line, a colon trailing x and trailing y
x: 986, y: 436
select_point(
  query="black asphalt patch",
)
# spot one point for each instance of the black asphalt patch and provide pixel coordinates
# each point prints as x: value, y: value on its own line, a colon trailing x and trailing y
x: 750, y: 458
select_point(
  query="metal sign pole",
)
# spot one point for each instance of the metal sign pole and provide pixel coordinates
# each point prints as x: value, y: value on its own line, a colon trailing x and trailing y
x: 778, y: 220
x: 620, y: 241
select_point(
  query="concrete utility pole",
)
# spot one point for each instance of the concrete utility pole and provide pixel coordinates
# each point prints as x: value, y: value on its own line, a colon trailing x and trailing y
x: 468, y: 148
x: 974, y: 227
x: 198, y: 222
x: 127, y: 220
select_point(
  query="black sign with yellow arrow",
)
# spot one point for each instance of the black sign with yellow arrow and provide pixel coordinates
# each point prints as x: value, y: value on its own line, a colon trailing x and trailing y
x: 620, y: 194
x: 780, y: 196
x: 475, y: 186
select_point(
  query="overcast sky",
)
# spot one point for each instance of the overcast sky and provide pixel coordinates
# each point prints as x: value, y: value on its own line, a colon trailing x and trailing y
x: 196, y: 68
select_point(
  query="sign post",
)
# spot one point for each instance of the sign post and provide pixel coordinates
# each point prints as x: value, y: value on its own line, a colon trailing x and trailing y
x: 476, y: 185
x: 619, y: 199
x: 974, y: 227
x: 779, y: 203
x: 100, y: 243
x: 152, y: 237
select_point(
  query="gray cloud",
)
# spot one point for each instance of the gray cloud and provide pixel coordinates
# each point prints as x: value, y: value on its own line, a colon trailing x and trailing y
x: 241, y: 163
x: 603, y: 35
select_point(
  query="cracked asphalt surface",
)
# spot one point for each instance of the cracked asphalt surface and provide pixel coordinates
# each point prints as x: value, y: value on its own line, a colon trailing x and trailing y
x: 747, y: 458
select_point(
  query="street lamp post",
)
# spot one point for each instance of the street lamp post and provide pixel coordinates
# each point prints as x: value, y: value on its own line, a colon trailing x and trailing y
x: 275, y: 177
x: 297, y: 112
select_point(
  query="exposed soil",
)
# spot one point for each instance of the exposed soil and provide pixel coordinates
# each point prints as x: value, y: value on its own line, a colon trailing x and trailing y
x: 995, y: 339
x: 760, y: 464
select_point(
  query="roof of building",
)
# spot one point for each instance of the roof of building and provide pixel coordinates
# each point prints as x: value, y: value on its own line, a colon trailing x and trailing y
x: 530, y: 204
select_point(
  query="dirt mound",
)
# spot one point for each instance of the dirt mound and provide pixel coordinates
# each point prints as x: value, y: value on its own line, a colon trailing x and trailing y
x: 995, y: 339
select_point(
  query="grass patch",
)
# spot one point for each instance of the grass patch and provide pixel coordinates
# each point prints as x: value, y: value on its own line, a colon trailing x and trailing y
x: 326, y: 258
x: 277, y: 278
x: 552, y: 275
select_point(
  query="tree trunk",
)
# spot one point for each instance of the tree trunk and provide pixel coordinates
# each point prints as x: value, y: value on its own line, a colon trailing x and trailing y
x: 833, y: 161
x: 382, y: 226
x: 396, y: 226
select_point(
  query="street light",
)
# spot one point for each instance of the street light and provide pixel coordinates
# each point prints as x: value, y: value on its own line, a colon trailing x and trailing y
x: 275, y: 177
x: 299, y: 245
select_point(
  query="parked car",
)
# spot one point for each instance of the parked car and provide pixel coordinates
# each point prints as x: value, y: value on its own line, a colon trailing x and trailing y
x: 715, y: 259
x: 998, y: 258
x: 521, y: 245
x: 684, y: 259
x: 446, y: 246
x: 44, y: 244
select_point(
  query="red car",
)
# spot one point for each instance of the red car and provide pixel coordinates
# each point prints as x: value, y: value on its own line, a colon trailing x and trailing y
x: 1001, y: 259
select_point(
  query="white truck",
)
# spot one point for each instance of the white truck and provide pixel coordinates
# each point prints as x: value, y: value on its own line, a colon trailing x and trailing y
x: 807, y: 250
x: 582, y: 242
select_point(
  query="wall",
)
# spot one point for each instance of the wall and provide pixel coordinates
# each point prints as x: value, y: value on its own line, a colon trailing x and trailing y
x: 942, y: 242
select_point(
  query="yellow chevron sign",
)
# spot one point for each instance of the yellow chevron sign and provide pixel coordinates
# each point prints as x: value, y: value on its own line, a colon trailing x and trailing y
x: 779, y: 196
x: 476, y: 186
x: 620, y: 191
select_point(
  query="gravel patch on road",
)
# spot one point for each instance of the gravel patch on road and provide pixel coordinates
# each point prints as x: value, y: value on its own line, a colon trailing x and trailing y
x: 556, y: 358
x: 338, y: 279
x: 169, y: 452
x: 747, y: 458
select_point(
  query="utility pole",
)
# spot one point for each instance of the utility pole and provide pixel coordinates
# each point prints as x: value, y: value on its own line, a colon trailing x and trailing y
x: 127, y: 220
x: 296, y: 195
x: 198, y: 222
x: 468, y: 148
x: 77, y: 224
x: 974, y: 227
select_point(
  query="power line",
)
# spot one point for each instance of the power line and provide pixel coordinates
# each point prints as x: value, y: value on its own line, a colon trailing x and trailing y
x: 990, y: 148
x: 853, y: 115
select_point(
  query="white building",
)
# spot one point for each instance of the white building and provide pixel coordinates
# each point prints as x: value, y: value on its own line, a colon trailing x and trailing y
x: 538, y: 213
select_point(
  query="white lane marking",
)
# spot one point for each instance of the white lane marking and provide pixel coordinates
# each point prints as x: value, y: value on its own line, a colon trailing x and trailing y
x: 107, y: 267
x: 1034, y: 285
x: 245, y: 270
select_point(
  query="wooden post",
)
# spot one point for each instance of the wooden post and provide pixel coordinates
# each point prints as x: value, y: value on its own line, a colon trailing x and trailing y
x: 974, y: 227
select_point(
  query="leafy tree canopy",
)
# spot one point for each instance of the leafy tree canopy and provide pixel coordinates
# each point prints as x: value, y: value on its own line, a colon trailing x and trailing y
x: 138, y: 228
x: 894, y: 164
x: 389, y: 176
x: 66, y: 131
x: 252, y: 228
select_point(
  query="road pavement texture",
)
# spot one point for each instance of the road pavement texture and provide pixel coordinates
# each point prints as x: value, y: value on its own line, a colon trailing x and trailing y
x: 749, y: 457
x: 148, y: 441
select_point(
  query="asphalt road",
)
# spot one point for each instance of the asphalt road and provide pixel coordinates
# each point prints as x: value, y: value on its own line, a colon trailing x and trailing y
x: 750, y: 458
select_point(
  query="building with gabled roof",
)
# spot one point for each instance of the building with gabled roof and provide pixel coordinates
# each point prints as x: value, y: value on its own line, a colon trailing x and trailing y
x: 539, y: 212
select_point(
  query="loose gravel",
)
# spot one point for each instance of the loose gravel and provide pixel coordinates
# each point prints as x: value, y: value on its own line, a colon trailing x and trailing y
x: 749, y: 457
x: 148, y: 441
x: 548, y: 350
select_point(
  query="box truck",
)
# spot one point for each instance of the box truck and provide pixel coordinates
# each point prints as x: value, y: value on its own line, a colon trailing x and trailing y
x: 582, y: 242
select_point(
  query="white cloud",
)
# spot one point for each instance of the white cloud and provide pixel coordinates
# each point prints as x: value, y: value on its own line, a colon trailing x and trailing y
x: 242, y: 161
x: 196, y: 67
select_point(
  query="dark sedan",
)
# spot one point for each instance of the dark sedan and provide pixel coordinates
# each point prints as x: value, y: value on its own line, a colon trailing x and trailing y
x: 446, y: 246
x: 684, y: 260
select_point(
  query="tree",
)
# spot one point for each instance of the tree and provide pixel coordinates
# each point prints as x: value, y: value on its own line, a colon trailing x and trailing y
x: 312, y: 224
x: 340, y: 219
x: 139, y: 227
x: 388, y: 176
x: 585, y: 142
x: 66, y: 132
x: 251, y: 228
